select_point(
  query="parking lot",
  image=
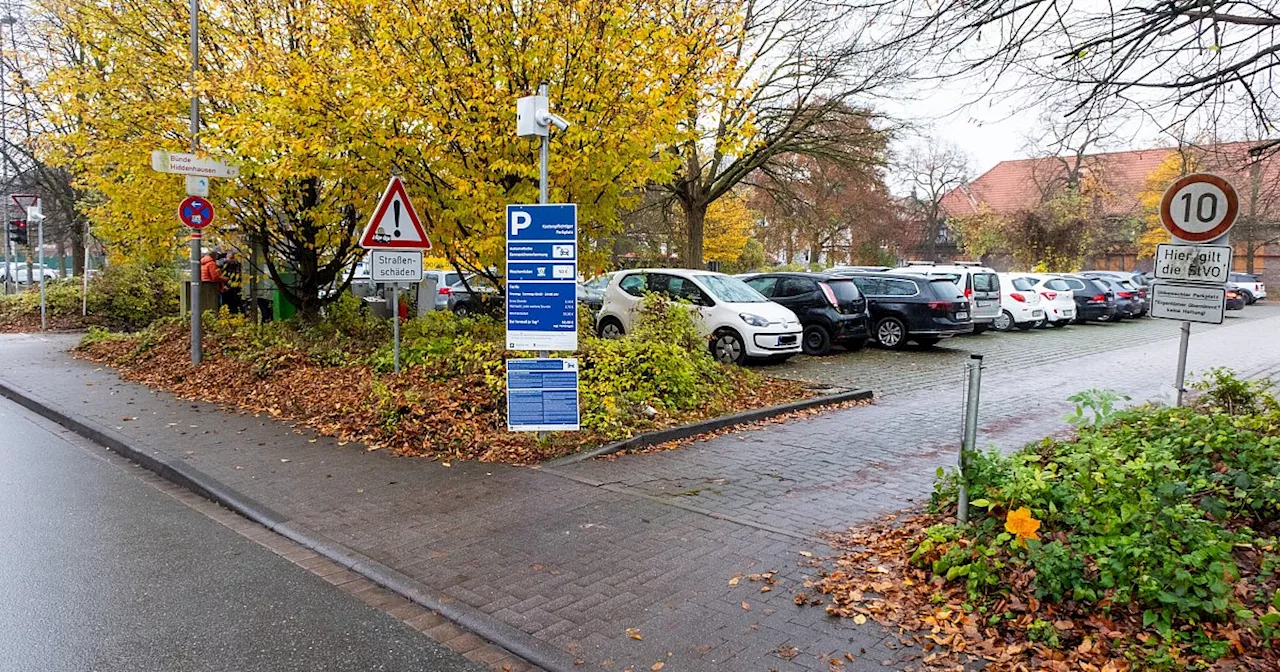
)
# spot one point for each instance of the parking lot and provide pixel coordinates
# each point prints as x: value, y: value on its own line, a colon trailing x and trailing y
x: 890, y: 372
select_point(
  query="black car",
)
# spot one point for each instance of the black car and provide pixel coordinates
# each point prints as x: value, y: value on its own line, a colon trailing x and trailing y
x: 907, y: 307
x: 1094, y: 300
x: 830, y: 307
x: 1132, y: 279
x: 1235, y: 299
x: 1128, y: 303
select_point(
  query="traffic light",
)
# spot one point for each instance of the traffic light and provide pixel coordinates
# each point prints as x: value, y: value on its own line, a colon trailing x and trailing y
x: 18, y: 231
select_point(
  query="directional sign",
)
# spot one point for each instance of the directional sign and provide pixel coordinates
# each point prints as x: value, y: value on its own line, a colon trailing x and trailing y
x: 190, y: 164
x: 1199, y: 208
x: 542, y: 271
x: 196, y: 212
x: 542, y: 395
x: 395, y: 224
x: 1193, y: 263
x: 395, y: 265
x: 1188, y: 302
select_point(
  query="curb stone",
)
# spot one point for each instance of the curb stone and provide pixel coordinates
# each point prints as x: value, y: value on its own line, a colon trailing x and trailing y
x: 517, y: 642
x: 704, y: 426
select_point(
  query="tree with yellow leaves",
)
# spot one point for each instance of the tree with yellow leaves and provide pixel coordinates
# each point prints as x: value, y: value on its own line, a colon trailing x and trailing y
x: 318, y: 101
x: 1174, y: 166
x: 730, y: 224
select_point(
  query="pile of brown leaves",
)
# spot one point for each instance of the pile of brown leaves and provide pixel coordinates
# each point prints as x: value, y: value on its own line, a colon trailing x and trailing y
x: 873, y: 578
x: 411, y: 413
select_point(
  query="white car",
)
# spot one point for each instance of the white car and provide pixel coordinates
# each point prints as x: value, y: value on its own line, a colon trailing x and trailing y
x: 1251, y: 288
x: 739, y: 321
x: 1059, y: 301
x: 979, y: 283
x: 1019, y: 303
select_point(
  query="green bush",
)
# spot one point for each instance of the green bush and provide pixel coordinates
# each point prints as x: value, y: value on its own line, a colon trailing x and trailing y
x: 662, y: 366
x: 1146, y: 508
x: 131, y: 295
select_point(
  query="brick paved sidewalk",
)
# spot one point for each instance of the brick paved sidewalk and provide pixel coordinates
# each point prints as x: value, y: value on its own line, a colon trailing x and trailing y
x: 578, y: 554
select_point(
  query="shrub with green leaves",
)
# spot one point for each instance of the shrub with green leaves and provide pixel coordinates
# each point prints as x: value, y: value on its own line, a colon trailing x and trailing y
x: 131, y: 295
x: 1146, y: 509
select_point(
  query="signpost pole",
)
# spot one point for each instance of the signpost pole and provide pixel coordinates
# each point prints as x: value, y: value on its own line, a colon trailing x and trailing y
x: 1182, y: 360
x: 395, y: 322
x: 196, y: 349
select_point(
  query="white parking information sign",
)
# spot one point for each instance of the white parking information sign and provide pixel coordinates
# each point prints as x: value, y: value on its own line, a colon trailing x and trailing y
x: 395, y: 265
x: 1189, y: 303
x: 1193, y: 263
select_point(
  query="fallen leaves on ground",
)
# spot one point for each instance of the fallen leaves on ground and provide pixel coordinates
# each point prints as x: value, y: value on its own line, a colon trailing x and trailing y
x: 872, y: 578
x: 413, y: 413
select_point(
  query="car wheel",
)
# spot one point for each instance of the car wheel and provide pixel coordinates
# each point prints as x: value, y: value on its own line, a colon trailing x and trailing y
x: 727, y: 347
x: 610, y: 327
x: 462, y: 309
x: 1248, y: 297
x: 1026, y: 326
x: 855, y: 344
x: 891, y: 333
x: 1040, y: 323
x: 817, y: 340
x: 928, y: 342
x: 981, y: 327
x: 1004, y: 322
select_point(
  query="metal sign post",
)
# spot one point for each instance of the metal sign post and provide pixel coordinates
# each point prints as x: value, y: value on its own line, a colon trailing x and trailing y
x: 395, y: 239
x: 969, y: 439
x: 1198, y: 210
x: 34, y: 213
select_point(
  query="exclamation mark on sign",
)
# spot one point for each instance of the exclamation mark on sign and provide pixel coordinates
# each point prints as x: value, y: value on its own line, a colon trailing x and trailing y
x: 395, y: 212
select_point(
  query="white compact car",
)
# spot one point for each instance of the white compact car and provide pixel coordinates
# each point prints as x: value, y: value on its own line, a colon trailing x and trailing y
x: 1019, y: 303
x: 979, y: 283
x: 1251, y: 288
x: 1059, y: 301
x: 739, y: 322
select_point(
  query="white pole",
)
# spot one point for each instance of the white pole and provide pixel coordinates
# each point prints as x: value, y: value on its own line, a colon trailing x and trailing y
x: 84, y: 280
x: 44, y: 323
x: 395, y: 321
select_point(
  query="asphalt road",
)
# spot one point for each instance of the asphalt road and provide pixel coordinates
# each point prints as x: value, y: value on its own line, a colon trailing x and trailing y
x: 99, y: 571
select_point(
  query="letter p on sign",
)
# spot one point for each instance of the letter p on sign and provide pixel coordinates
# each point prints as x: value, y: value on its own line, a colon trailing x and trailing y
x: 520, y: 220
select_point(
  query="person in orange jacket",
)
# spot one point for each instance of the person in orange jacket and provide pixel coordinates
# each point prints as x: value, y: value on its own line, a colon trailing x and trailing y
x: 209, y: 271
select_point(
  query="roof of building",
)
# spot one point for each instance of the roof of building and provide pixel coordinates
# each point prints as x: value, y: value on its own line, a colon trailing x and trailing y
x: 1016, y: 185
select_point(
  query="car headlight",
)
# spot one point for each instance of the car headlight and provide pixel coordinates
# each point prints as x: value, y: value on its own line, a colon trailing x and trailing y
x: 753, y: 320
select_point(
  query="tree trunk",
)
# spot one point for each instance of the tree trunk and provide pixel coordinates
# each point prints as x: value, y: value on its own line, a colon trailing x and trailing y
x: 77, y: 245
x: 695, y: 214
x: 61, y: 251
x: 1251, y: 250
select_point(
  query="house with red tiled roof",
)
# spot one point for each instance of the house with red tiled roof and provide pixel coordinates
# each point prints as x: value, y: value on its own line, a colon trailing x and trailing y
x: 1018, y: 185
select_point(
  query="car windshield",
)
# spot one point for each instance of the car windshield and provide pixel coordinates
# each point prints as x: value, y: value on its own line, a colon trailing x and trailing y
x: 730, y: 290
x: 946, y: 289
x: 1024, y: 284
x: 1057, y: 285
x: 597, y: 282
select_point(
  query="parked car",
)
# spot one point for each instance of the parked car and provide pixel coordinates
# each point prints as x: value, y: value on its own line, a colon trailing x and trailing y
x: 1059, y: 299
x: 739, y: 321
x: 1250, y: 286
x: 20, y: 273
x: 843, y: 270
x: 830, y: 307
x: 1138, y: 280
x: 591, y: 292
x: 1126, y: 297
x: 1094, y: 300
x: 1019, y: 303
x: 908, y: 307
x: 979, y: 285
x: 1235, y: 299
x: 465, y: 298
x: 445, y: 280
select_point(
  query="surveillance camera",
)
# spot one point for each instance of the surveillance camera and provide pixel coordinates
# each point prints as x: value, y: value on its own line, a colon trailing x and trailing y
x: 548, y: 119
x: 559, y: 123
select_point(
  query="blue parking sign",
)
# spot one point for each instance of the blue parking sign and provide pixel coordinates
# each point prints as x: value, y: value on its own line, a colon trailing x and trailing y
x: 542, y: 272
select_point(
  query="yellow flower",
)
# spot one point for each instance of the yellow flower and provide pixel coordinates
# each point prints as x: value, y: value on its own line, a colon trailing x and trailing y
x: 1021, y: 524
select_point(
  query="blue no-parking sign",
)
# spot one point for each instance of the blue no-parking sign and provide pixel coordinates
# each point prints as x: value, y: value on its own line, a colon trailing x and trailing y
x: 542, y: 272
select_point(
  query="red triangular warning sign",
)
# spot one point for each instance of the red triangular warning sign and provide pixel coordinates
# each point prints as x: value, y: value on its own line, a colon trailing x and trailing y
x: 395, y: 224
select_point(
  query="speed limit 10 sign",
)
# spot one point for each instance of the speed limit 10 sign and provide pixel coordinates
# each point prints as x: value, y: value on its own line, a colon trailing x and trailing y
x: 1199, y: 208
